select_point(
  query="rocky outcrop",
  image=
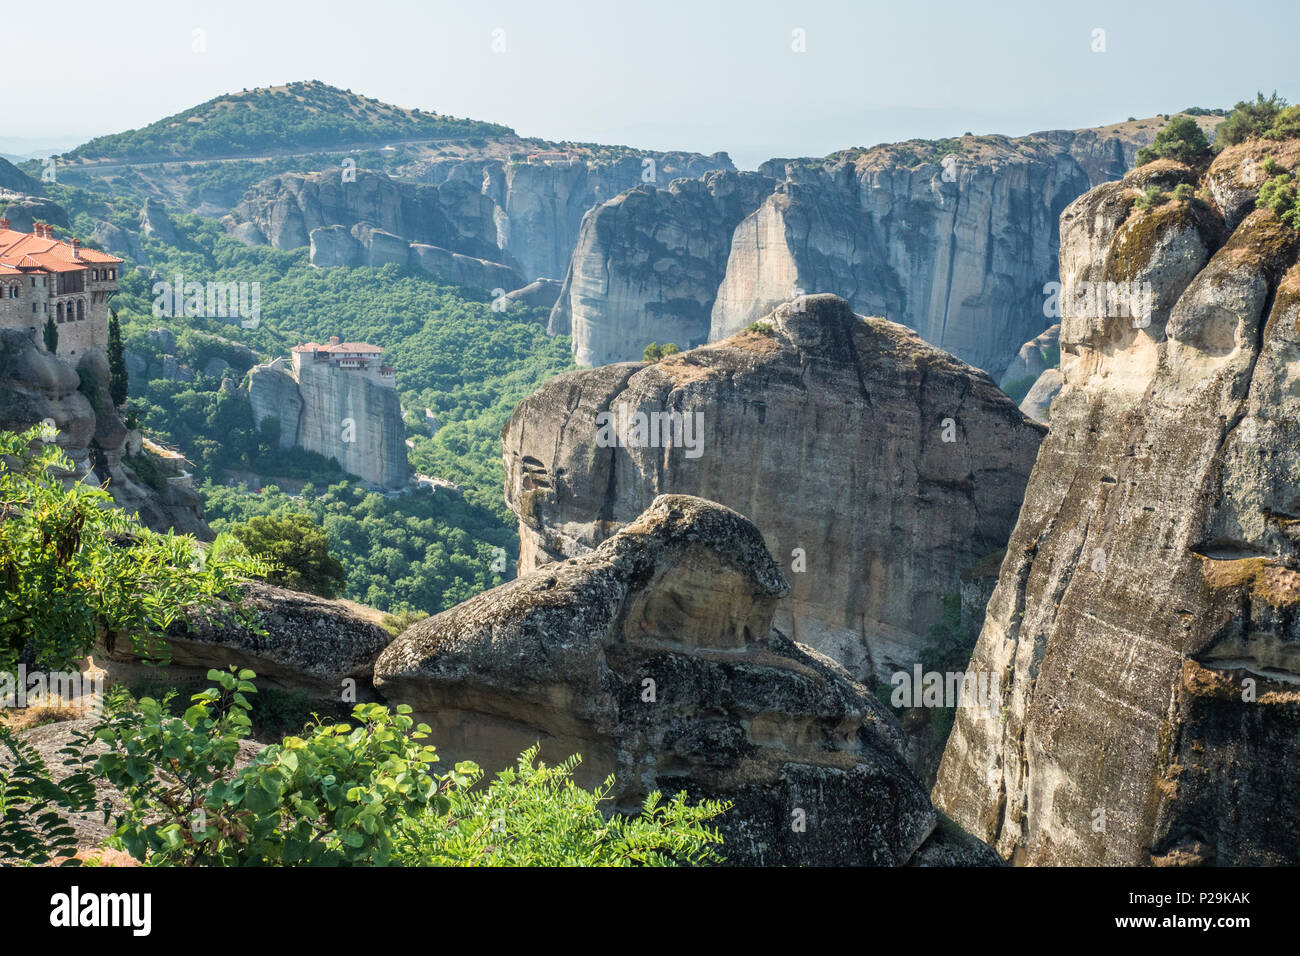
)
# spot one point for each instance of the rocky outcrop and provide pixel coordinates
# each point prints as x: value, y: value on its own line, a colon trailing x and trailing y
x: 37, y: 387
x: 337, y: 413
x: 654, y: 657
x: 1034, y: 358
x: 1144, y: 623
x: 834, y: 433
x: 1037, y: 403
x: 363, y: 245
x: 156, y: 223
x: 538, y: 294
x: 520, y: 215
x: 326, y: 649
x: 13, y: 178
x: 953, y: 238
x: 648, y: 264
x: 24, y: 211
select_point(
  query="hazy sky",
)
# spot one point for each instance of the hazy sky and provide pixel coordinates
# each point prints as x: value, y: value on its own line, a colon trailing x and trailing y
x: 695, y: 75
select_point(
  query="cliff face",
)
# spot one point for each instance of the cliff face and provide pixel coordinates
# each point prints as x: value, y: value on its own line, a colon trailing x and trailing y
x: 953, y: 239
x: 834, y: 433
x: 647, y: 266
x: 521, y: 215
x: 337, y: 413
x: 36, y: 386
x: 1144, y: 624
x: 654, y: 657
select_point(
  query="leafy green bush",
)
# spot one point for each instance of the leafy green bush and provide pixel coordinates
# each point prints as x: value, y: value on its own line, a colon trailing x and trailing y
x: 1184, y: 192
x: 72, y: 566
x: 761, y: 328
x: 349, y: 795
x: 33, y: 823
x: 1249, y: 120
x: 1279, y: 195
x: 535, y: 815
x: 654, y: 352
x: 1182, y: 139
x: 297, y: 550
x: 1153, y: 196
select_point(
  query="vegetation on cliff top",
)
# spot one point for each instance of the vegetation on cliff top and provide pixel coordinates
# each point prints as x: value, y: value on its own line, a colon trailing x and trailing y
x: 303, y: 115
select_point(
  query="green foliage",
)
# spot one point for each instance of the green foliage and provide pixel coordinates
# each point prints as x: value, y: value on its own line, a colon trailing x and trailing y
x: 1182, y: 139
x: 1018, y: 388
x: 117, y: 377
x: 536, y: 815
x: 654, y: 352
x: 395, y: 624
x: 420, y: 552
x: 1184, y: 192
x: 1152, y: 197
x: 33, y: 807
x: 297, y: 550
x: 300, y: 116
x: 761, y: 328
x: 50, y: 334
x: 1249, y: 120
x: 353, y: 794
x: 72, y: 566
x: 1279, y: 194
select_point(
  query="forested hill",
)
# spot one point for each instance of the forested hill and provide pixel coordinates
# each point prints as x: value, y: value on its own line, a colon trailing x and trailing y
x: 305, y: 115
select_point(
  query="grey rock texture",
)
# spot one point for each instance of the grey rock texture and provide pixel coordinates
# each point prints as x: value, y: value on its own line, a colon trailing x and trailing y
x: 1034, y: 358
x: 829, y: 433
x: 13, y: 178
x: 520, y: 215
x: 36, y: 386
x: 1037, y: 403
x: 336, y: 413
x: 26, y: 210
x: 955, y: 239
x: 538, y: 294
x: 1144, y: 623
x: 156, y: 223
x: 682, y: 598
x: 310, y: 644
x: 648, y: 264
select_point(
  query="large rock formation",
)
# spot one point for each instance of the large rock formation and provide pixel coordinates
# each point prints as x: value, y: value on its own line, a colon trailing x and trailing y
x: 38, y: 387
x: 337, y: 413
x: 326, y: 649
x: 877, y: 467
x: 955, y: 239
x: 654, y: 657
x: 1144, y: 625
x: 647, y: 266
x: 522, y: 215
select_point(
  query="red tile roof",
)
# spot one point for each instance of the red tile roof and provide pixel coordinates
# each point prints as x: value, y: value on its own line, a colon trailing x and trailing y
x: 27, y: 250
x: 353, y: 347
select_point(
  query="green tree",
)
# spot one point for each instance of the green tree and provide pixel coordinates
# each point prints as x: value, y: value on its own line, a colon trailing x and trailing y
x: 51, y: 335
x: 73, y: 566
x: 1182, y: 139
x: 299, y: 550
x: 1249, y: 120
x: 117, y: 377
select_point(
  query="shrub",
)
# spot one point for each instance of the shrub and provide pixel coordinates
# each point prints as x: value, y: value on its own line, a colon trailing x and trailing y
x: 33, y: 827
x: 1249, y: 120
x: 1181, y: 140
x: 536, y: 815
x: 654, y: 352
x: 1279, y: 195
x: 1153, y: 196
x: 1184, y: 192
x: 761, y: 328
x: 298, y: 550
x: 345, y: 795
x: 72, y: 566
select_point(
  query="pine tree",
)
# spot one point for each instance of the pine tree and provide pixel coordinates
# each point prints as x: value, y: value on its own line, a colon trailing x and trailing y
x: 51, y: 334
x: 117, y: 380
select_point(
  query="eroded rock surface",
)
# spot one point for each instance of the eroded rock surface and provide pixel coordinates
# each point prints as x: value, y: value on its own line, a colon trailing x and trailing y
x: 877, y: 467
x: 655, y: 658
x: 1144, y: 624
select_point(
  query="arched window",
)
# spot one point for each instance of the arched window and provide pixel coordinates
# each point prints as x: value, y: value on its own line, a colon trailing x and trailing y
x: 81, y: 309
x: 59, y: 317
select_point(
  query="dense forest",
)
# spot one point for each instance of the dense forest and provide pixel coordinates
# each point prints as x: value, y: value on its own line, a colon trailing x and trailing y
x: 456, y: 357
